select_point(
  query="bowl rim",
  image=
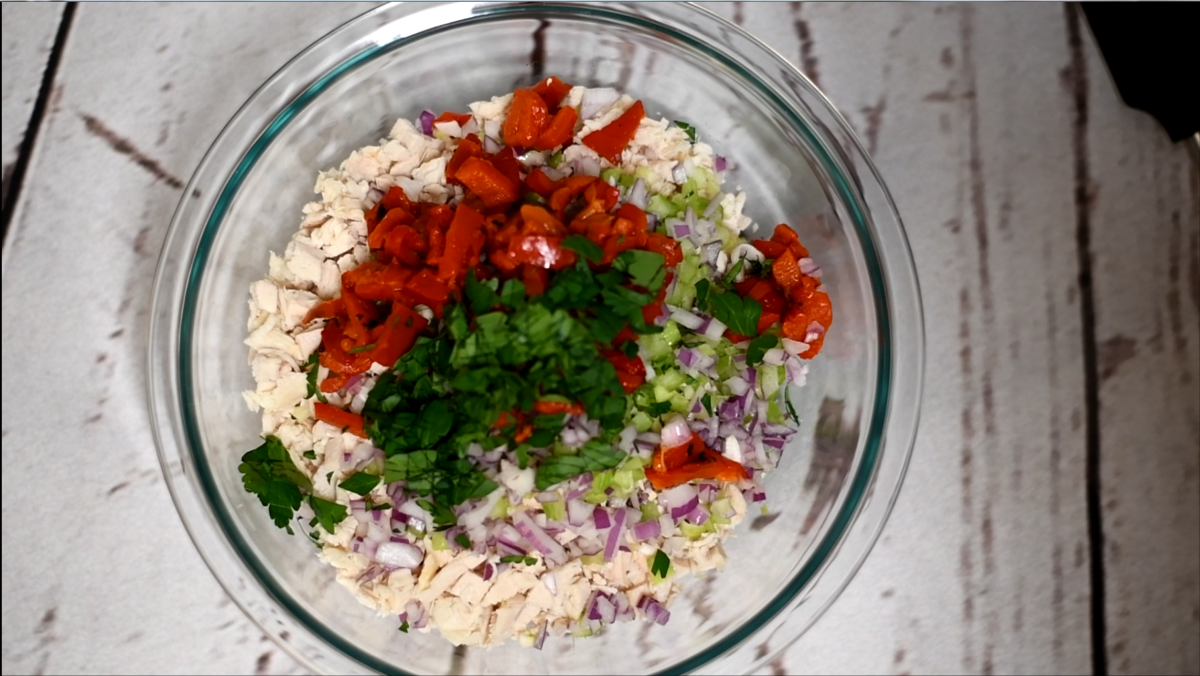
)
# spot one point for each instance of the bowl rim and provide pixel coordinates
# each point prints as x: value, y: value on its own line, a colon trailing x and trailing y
x: 182, y: 265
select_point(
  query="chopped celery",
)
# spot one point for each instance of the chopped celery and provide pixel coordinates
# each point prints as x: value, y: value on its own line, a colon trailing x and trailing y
x: 556, y: 510
x: 610, y: 175
x: 774, y: 415
x: 642, y: 421
x: 670, y: 333
x: 650, y: 511
x: 694, y: 532
x: 662, y: 207
x: 592, y: 559
x: 626, y: 180
x: 600, y: 482
x: 437, y: 541
x: 768, y: 378
x: 555, y: 159
x: 669, y: 380
x: 500, y: 510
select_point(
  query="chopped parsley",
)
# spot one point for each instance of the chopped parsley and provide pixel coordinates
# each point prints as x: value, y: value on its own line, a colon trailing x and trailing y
x: 737, y: 312
x: 687, y: 129
x: 403, y: 626
x: 661, y: 565
x: 463, y: 541
x: 359, y: 483
x: 517, y: 558
x: 312, y: 368
x: 269, y: 473
x: 759, y: 346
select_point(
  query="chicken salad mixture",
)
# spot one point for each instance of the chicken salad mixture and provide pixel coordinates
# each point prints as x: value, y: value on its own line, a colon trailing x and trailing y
x: 520, y: 370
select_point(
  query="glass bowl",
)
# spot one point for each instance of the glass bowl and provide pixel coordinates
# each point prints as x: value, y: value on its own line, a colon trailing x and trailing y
x: 787, y: 147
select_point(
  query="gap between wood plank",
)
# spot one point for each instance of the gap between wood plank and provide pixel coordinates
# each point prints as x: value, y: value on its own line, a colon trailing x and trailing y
x: 32, y: 130
x: 1087, y: 307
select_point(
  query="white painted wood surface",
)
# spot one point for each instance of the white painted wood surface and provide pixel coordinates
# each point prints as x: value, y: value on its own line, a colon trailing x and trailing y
x: 28, y: 36
x: 970, y: 114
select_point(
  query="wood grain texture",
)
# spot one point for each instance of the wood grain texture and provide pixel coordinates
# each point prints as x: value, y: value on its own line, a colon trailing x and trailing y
x: 83, y: 496
x: 1143, y: 202
x: 29, y: 30
x: 983, y: 565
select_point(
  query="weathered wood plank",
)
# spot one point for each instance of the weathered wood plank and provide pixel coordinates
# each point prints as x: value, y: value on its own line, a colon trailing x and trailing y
x: 1143, y: 211
x: 99, y: 576
x: 983, y: 566
x: 29, y: 30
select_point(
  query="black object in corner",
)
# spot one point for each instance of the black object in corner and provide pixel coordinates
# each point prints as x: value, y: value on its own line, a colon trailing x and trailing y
x: 1151, y: 51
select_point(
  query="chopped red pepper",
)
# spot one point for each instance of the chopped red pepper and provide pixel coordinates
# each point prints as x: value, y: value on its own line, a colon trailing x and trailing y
x: 400, y: 331
x: 559, y: 131
x: 486, y: 181
x: 528, y: 116
x: 459, y: 241
x: 552, y: 407
x: 691, y: 461
x: 460, y: 118
x: 540, y: 183
x: 610, y: 140
x: 347, y: 421
x: 552, y: 90
x: 769, y: 248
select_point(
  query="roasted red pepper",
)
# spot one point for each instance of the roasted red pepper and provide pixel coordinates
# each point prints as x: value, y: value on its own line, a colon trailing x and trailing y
x: 347, y: 421
x: 610, y: 140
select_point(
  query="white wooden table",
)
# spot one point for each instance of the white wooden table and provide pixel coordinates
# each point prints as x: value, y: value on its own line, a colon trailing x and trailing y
x: 1050, y: 522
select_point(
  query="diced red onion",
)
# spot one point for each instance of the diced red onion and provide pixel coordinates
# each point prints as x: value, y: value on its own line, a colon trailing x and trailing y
x: 399, y: 554
x: 714, y: 330
x: 647, y: 530
x: 547, y: 496
x: 676, y: 432
x: 626, y: 438
x: 778, y: 430
x: 794, y: 347
x: 471, y: 127
x: 683, y: 510
x: 491, y: 145
x: 354, y: 384
x: 773, y: 442
x: 738, y: 385
x: 713, y: 205
x: 710, y: 251
x: 427, y: 122
x: 774, y: 356
x: 814, y: 332
x: 650, y: 437
x: 686, y: 319
x: 719, y: 163
x: 679, y: 174
x: 686, y: 356
x: 539, y: 538
x: 655, y: 612
x: 578, y: 512
x: 698, y: 515
x: 488, y: 571
x: 682, y: 230
x: 707, y: 492
x: 614, y: 534
x: 605, y: 608
x: 601, y: 517
x: 637, y: 194
x: 678, y: 496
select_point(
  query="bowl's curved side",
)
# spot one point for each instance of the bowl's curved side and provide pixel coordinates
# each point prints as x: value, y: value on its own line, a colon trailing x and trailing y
x: 854, y: 189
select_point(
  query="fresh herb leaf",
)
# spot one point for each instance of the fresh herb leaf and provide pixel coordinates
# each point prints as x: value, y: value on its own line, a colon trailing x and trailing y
x: 661, y: 565
x: 733, y: 271
x: 630, y: 349
x: 702, y: 289
x: 360, y: 483
x: 759, y: 346
x: 658, y: 408
x: 645, y: 267
x: 555, y: 159
x: 269, y: 473
x: 310, y: 454
x: 687, y: 129
x: 585, y: 247
x: 312, y: 368
x: 361, y: 348
x: 513, y: 294
x: 517, y: 558
x: 329, y: 514
x: 706, y: 401
x: 482, y: 296
x: 463, y: 541
x: 738, y: 313
x: 594, y: 456
x: 404, y: 626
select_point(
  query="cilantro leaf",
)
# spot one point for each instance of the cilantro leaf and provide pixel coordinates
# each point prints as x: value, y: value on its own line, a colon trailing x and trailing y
x: 482, y: 296
x: 585, y: 247
x: 759, y: 346
x: 463, y: 541
x: 687, y: 129
x: 360, y: 483
x: 706, y: 401
x: 702, y: 288
x: 733, y: 271
x: 313, y: 367
x: 645, y: 267
x: 328, y: 514
x: 661, y: 564
x: 738, y: 313
x: 269, y: 473
x: 513, y: 294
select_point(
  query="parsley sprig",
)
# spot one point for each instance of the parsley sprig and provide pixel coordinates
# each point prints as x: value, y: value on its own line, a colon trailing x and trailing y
x: 269, y: 473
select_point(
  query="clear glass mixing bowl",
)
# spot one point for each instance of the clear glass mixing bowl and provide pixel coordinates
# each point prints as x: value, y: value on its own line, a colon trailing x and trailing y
x: 788, y: 148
